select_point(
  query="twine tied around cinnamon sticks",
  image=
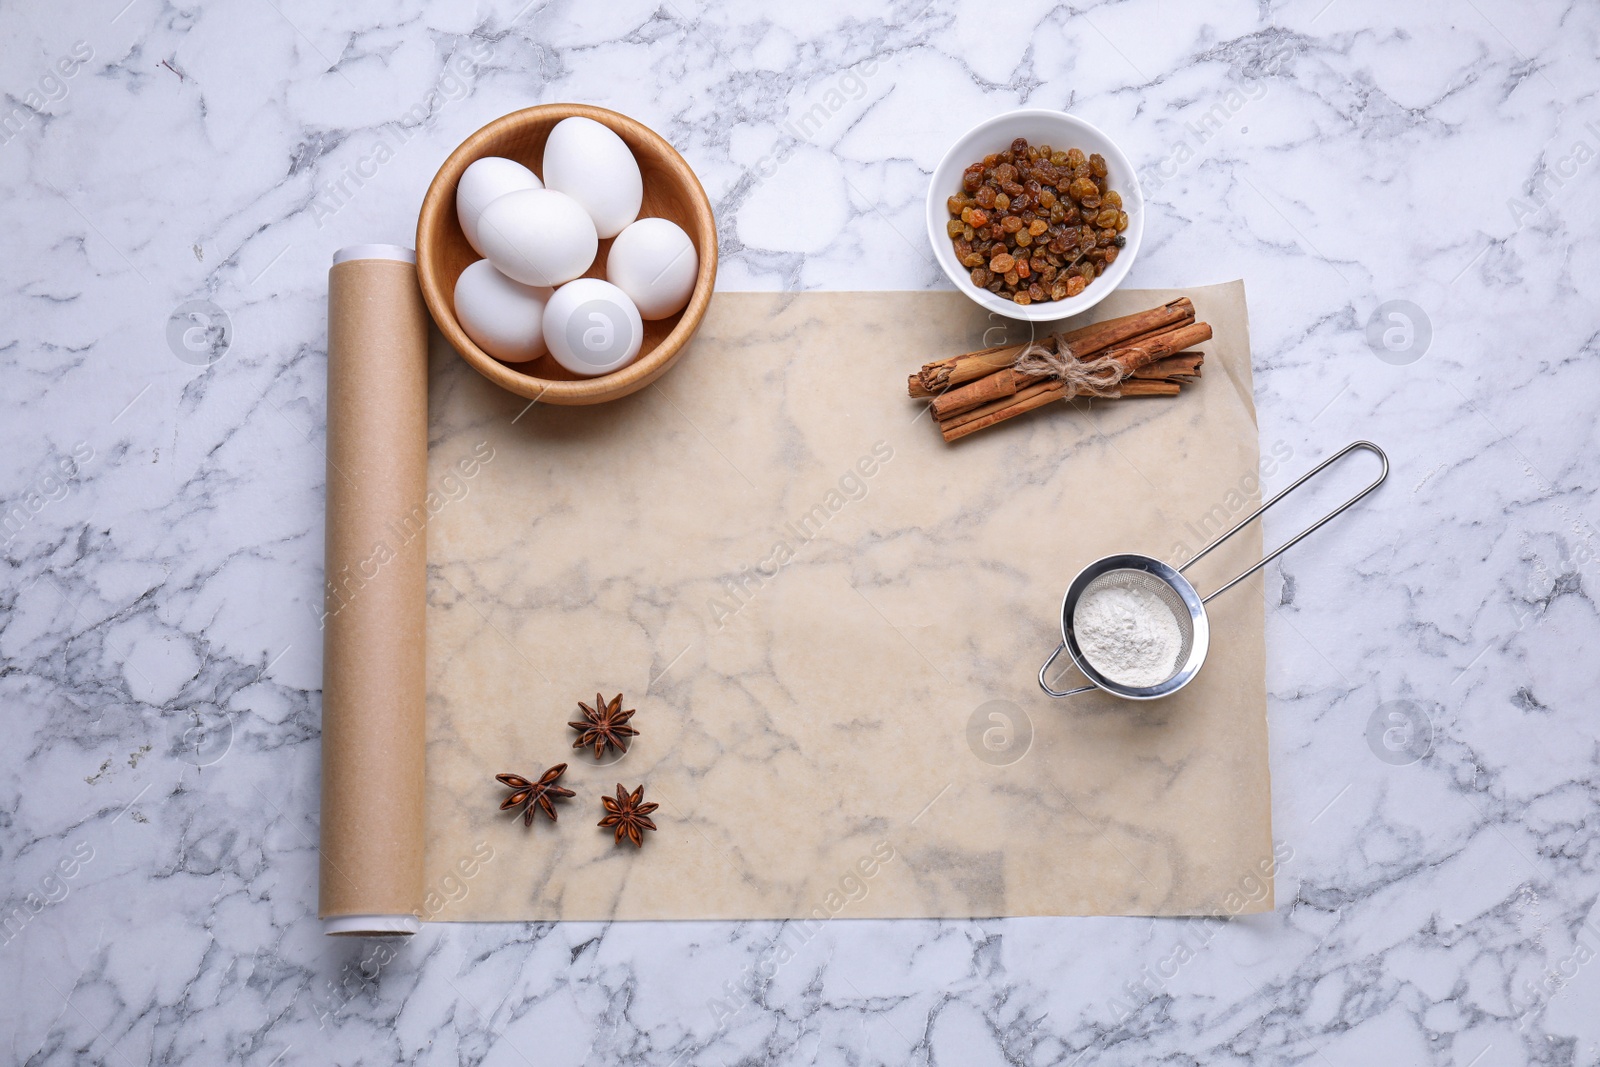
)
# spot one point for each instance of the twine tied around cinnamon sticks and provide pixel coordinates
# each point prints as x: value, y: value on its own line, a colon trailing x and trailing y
x: 1133, y: 355
x: 1095, y: 377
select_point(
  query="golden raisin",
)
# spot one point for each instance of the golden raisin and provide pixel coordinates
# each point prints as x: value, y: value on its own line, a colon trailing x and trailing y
x: 1002, y: 263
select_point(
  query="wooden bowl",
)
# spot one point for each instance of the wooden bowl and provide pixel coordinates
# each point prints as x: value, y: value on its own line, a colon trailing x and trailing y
x: 671, y: 191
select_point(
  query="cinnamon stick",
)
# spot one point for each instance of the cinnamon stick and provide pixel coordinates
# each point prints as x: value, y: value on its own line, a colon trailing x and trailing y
x: 1143, y: 352
x: 1184, y: 364
x: 1009, y: 381
x: 1056, y: 388
x: 1037, y: 396
x: 979, y: 389
x: 936, y: 377
x: 1162, y: 378
x: 1091, y: 339
x: 1046, y: 394
x: 1000, y: 384
x: 1141, y: 387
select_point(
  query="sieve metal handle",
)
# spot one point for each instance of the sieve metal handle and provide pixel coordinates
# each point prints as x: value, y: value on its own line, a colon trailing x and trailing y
x: 1046, y: 685
x: 1367, y: 446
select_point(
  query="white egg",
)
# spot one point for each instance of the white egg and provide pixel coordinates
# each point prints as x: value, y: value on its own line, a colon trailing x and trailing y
x: 504, y: 317
x: 482, y: 183
x: 538, y: 236
x: 592, y: 327
x: 655, y: 263
x: 591, y: 164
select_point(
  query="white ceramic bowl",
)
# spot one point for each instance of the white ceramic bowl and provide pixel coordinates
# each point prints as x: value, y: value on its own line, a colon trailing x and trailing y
x: 1058, y: 130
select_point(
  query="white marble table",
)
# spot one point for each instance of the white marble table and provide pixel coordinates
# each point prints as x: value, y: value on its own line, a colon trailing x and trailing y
x: 1435, y: 760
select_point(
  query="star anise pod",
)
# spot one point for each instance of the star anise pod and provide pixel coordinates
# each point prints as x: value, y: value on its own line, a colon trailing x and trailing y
x: 628, y: 815
x: 604, y: 724
x: 529, y: 795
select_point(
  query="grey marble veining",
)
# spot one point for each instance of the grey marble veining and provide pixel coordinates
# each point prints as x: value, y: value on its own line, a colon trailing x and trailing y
x: 1409, y: 192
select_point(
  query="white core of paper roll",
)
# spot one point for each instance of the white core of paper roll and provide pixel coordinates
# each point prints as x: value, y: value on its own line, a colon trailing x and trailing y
x: 371, y: 925
x: 399, y: 252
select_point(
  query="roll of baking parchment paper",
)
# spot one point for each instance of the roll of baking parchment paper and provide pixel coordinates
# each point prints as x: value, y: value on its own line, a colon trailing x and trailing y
x: 373, y: 685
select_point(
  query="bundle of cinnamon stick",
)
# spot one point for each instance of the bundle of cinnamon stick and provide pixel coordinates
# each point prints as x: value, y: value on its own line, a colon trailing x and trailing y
x: 1144, y: 354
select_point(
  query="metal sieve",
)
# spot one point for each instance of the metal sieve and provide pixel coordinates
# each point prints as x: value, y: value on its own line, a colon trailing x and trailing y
x: 1130, y: 570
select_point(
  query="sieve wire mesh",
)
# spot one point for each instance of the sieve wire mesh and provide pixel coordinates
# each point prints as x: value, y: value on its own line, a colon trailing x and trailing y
x: 1143, y: 580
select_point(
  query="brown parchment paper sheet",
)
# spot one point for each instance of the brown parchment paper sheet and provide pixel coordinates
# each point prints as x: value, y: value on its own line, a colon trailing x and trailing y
x: 830, y: 623
x: 376, y: 580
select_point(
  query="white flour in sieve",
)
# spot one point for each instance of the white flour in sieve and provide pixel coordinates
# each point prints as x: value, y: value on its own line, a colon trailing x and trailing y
x: 1128, y: 635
